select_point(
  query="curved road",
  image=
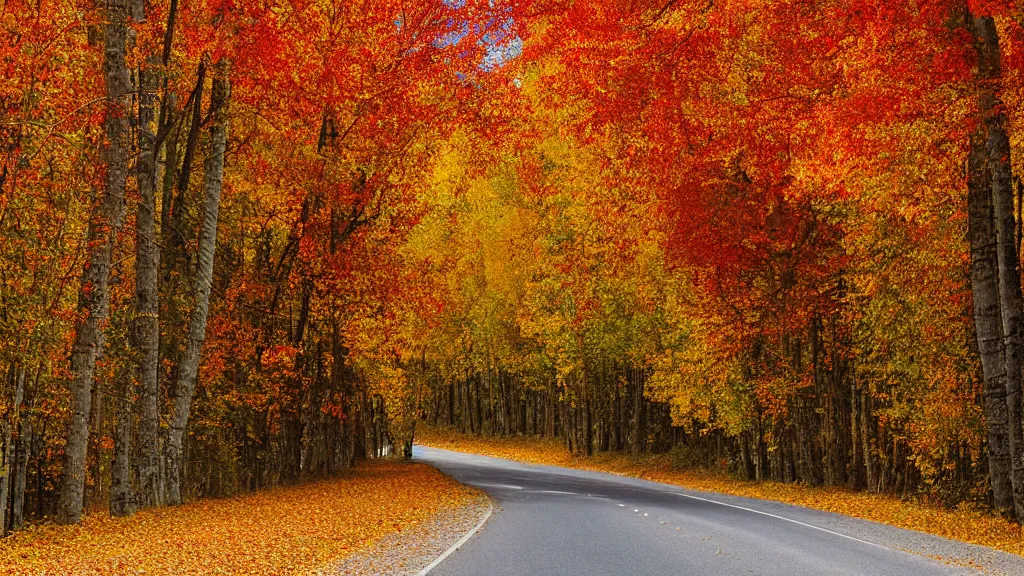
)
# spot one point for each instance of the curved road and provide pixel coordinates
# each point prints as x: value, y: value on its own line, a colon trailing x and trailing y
x: 561, y: 522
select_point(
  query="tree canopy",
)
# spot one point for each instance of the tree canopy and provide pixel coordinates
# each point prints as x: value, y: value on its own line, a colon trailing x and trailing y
x: 245, y: 244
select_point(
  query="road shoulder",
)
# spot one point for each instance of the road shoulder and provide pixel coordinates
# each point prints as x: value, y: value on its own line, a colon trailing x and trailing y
x: 412, y: 551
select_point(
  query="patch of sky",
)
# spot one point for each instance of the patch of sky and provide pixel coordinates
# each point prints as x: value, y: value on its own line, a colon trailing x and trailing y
x: 497, y: 36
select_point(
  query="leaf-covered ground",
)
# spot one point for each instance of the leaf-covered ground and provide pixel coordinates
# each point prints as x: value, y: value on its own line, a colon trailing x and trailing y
x: 408, y: 552
x: 294, y: 530
x: 965, y: 524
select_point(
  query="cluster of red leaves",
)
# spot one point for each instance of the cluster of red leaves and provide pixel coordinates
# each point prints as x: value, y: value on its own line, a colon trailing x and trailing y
x: 965, y: 523
x: 294, y: 530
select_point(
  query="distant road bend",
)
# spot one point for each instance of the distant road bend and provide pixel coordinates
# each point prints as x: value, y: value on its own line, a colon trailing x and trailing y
x: 561, y: 522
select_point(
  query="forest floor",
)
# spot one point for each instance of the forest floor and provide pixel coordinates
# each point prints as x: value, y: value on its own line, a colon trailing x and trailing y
x: 307, y: 529
x: 966, y: 523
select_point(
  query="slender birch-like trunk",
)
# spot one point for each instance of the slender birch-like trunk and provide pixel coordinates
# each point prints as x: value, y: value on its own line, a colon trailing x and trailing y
x: 21, y: 466
x: 189, y: 367
x: 105, y: 218
x: 988, y: 320
x: 146, y: 328
x: 997, y: 146
x: 7, y: 457
x: 122, y: 497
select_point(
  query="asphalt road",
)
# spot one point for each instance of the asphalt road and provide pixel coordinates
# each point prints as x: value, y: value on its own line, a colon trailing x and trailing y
x: 561, y: 522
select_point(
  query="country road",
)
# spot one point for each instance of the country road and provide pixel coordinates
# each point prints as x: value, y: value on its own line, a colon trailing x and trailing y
x: 553, y: 521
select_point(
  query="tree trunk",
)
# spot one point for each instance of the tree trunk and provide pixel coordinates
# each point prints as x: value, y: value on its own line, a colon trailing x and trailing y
x: 21, y: 474
x: 189, y: 367
x: 174, y: 240
x: 21, y: 470
x: 549, y: 422
x: 7, y: 456
x: 856, y: 456
x: 490, y: 399
x: 105, y: 218
x: 477, y: 406
x: 567, y: 423
x: 506, y: 405
x: 588, y: 425
x: 147, y: 305
x: 122, y: 499
x: 988, y: 324
x: 616, y: 415
x: 638, y: 412
x: 997, y: 146
x: 451, y: 403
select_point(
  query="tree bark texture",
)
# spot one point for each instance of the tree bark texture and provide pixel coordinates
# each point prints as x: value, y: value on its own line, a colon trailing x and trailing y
x: 189, y: 366
x: 997, y: 146
x: 105, y: 218
x: 987, y: 320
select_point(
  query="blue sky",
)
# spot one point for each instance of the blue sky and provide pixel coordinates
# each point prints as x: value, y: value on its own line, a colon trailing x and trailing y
x: 497, y: 35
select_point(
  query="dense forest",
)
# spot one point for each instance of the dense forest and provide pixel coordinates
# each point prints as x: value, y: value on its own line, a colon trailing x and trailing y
x: 248, y: 244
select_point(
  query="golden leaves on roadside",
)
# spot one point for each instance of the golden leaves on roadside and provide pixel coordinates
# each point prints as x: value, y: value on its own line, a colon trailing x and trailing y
x: 293, y: 530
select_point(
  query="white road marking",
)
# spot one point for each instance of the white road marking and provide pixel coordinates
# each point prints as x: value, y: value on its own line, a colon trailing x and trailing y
x: 465, y: 538
x: 782, y: 518
x: 502, y: 486
x: 552, y: 492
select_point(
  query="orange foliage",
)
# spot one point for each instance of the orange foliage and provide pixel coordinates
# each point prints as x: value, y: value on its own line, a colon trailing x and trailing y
x: 296, y: 530
x: 965, y: 523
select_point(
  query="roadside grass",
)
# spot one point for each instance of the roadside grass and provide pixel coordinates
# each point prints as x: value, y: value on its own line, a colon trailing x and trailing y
x: 293, y: 530
x: 966, y: 523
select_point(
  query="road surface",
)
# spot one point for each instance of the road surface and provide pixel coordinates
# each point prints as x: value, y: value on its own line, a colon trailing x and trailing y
x: 553, y: 521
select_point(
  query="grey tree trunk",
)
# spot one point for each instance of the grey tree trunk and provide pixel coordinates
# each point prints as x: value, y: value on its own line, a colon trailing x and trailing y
x: 867, y: 439
x: 146, y: 329
x: 588, y: 424
x: 21, y: 472
x: 988, y: 320
x: 7, y: 456
x: 997, y: 146
x: 122, y: 497
x: 5, y: 471
x: 637, y: 446
x: 105, y: 219
x: 189, y: 367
